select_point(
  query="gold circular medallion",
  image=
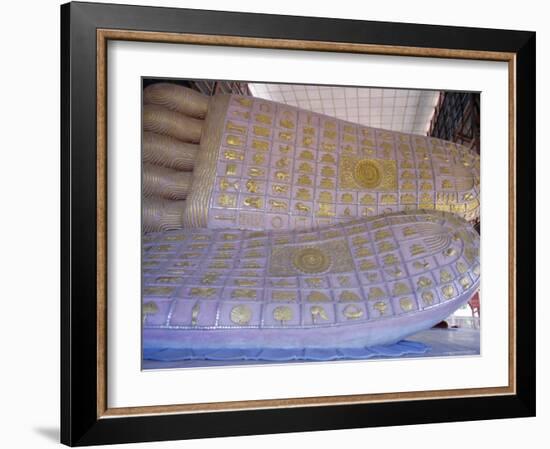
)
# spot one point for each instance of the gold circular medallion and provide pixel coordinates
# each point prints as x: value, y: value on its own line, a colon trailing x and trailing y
x: 241, y: 315
x: 311, y: 260
x: 367, y: 174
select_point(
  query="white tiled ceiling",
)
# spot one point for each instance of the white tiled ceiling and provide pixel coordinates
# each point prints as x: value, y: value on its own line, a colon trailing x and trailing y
x: 408, y: 111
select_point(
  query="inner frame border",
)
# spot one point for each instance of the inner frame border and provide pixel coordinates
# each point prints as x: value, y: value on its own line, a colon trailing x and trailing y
x: 103, y: 35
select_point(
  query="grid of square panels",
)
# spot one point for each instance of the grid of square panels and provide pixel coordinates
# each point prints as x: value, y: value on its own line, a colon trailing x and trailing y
x: 408, y: 111
x: 220, y: 279
x: 280, y: 167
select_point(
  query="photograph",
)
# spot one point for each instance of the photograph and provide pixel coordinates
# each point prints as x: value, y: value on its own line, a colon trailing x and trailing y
x: 306, y: 223
x: 271, y: 225
x: 277, y: 224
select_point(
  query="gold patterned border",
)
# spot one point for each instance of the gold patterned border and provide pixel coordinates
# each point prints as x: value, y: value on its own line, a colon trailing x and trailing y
x: 104, y: 35
x: 195, y: 214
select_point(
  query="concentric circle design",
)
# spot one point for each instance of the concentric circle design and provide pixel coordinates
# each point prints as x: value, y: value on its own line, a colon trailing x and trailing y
x: 241, y: 315
x: 311, y: 260
x: 367, y: 174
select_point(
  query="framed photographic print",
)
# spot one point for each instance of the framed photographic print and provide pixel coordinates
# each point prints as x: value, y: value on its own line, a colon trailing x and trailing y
x: 277, y: 224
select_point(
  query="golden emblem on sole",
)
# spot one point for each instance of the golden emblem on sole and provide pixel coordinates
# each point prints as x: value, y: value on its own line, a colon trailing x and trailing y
x: 311, y: 260
x: 241, y: 315
x: 367, y: 174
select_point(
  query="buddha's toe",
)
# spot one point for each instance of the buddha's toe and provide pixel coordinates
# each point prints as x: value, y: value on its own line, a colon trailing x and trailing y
x: 165, y: 182
x: 173, y: 122
x: 161, y: 120
x: 161, y: 215
x: 177, y: 98
x: 167, y: 151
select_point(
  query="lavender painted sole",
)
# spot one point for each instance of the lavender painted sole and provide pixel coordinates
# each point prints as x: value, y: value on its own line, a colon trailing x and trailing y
x: 364, y: 283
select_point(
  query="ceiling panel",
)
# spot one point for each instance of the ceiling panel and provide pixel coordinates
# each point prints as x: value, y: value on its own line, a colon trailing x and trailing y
x: 401, y: 110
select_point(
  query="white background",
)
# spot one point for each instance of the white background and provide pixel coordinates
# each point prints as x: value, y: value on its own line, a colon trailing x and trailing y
x: 127, y: 386
x: 30, y: 222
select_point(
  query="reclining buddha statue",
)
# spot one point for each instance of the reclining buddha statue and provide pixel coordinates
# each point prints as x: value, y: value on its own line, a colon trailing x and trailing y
x: 271, y: 227
x: 230, y: 161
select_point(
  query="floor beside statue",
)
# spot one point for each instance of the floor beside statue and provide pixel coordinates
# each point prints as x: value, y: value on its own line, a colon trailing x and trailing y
x: 429, y: 343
